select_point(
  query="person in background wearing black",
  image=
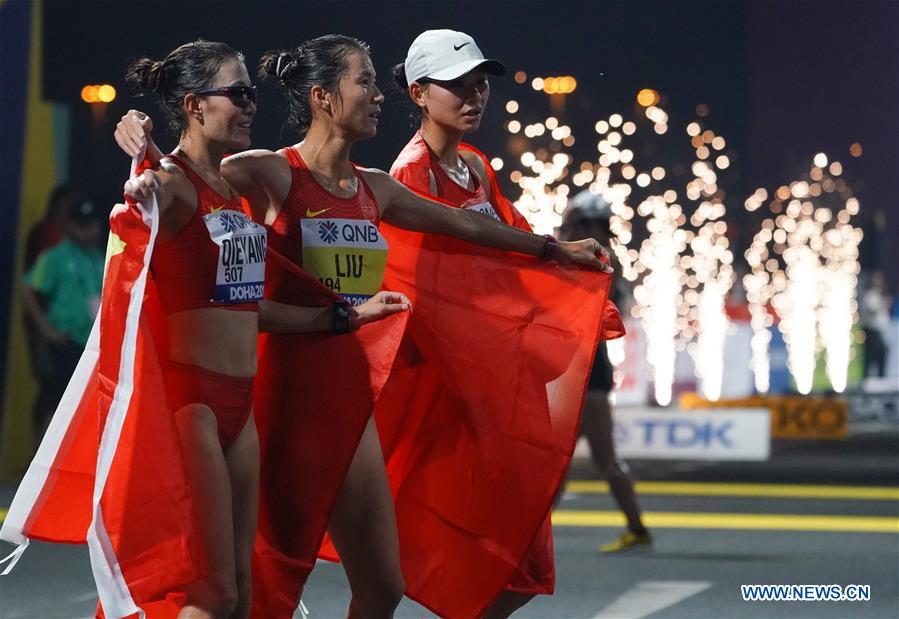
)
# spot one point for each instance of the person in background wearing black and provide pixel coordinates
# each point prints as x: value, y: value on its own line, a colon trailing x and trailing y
x: 588, y: 215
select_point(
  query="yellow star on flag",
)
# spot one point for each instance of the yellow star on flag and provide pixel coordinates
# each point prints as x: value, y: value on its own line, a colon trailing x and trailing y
x: 114, y: 246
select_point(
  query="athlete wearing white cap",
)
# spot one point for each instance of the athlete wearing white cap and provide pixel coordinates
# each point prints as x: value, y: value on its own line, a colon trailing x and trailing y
x: 445, y: 55
x: 446, y: 76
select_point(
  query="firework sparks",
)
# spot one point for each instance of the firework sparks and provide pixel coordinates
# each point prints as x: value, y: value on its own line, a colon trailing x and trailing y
x: 802, y: 261
x: 808, y: 276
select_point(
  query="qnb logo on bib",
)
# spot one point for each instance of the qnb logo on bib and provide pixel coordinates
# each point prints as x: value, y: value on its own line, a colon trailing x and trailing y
x: 327, y: 231
x: 346, y: 255
x: 485, y: 208
x: 240, y: 274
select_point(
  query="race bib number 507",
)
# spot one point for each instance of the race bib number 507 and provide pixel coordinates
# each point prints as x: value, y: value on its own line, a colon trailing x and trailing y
x: 240, y: 275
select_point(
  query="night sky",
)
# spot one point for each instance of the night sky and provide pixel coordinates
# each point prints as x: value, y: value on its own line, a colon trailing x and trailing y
x: 782, y: 80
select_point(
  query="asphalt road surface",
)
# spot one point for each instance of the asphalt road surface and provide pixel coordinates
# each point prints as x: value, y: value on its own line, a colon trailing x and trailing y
x: 817, y: 513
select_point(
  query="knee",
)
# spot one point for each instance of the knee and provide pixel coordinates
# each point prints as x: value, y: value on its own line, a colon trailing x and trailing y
x: 612, y: 468
x: 391, y: 589
x: 381, y: 596
x: 217, y: 597
x: 395, y: 590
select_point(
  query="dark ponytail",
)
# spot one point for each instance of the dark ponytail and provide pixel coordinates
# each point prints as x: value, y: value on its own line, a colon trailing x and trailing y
x: 399, y: 75
x: 318, y: 62
x: 189, y: 68
x: 145, y: 74
x: 402, y: 83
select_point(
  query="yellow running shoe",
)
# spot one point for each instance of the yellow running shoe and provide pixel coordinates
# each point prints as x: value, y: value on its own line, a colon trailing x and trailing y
x: 628, y: 541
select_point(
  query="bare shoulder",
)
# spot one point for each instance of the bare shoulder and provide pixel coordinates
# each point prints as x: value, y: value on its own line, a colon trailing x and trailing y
x: 255, y: 162
x: 374, y: 176
x: 258, y: 170
x: 172, y: 177
x: 385, y: 187
x: 177, y: 187
x: 256, y: 156
x: 475, y: 162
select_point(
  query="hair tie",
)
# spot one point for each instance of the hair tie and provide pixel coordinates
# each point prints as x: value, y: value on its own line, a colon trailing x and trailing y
x: 279, y: 71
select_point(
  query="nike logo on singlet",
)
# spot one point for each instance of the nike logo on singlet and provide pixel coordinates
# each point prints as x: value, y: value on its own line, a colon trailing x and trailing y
x: 458, y: 47
x: 311, y: 213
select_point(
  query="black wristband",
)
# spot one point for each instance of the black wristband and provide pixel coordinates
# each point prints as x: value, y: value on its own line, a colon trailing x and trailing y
x: 551, y: 243
x: 340, y: 317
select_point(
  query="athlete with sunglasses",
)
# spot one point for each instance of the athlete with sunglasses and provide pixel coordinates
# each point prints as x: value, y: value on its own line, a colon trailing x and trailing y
x: 208, y: 266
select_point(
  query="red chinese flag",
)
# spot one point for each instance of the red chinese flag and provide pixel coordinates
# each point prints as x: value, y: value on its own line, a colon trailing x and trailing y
x: 314, y: 394
x: 480, y: 416
x: 109, y: 471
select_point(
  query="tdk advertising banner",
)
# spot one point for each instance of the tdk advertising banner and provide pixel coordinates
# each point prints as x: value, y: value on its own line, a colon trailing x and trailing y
x: 711, y: 434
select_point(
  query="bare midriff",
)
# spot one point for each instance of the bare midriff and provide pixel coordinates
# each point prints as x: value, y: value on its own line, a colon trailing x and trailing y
x: 215, y: 339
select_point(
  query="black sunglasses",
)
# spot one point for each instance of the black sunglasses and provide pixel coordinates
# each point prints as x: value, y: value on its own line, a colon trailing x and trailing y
x: 241, y: 96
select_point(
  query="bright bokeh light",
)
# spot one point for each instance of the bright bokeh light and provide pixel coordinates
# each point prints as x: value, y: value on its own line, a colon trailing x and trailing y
x: 89, y: 94
x: 98, y: 93
x: 647, y: 97
x: 106, y: 93
x: 563, y: 85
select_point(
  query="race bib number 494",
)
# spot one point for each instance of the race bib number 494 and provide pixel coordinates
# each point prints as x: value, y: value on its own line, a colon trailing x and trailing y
x: 240, y: 274
x: 346, y: 255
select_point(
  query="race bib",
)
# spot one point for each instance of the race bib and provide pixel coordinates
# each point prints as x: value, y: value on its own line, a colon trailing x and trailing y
x: 346, y: 255
x: 485, y: 208
x: 240, y: 275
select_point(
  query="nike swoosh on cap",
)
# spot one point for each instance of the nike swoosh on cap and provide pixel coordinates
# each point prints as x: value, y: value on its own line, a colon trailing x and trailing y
x: 311, y: 213
x: 458, y: 47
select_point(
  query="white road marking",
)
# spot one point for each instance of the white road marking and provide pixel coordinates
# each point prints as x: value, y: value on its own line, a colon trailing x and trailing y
x: 651, y: 596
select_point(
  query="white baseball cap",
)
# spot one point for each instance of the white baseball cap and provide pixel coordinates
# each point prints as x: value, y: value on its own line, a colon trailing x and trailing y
x: 445, y: 55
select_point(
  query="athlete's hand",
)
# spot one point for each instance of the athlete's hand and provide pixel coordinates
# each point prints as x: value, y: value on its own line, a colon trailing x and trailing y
x: 133, y: 133
x: 142, y: 187
x: 588, y: 252
x: 379, y: 306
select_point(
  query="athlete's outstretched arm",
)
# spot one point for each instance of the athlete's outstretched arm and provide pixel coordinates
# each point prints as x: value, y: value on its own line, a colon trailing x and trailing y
x: 260, y: 176
x: 277, y: 317
x: 403, y: 208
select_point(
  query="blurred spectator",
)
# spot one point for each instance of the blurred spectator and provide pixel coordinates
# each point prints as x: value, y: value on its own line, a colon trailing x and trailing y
x: 46, y: 233
x: 61, y: 294
x: 51, y: 229
x: 588, y: 216
x: 875, y: 321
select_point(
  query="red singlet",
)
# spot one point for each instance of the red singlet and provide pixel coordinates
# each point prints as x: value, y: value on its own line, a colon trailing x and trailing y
x: 216, y: 260
x: 336, y: 240
x: 417, y: 162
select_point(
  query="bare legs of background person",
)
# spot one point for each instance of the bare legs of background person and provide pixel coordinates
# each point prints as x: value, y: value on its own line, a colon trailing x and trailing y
x: 596, y: 425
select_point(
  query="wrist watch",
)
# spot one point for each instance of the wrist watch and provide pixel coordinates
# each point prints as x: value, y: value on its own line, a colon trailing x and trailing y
x: 340, y: 317
x: 549, y: 246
